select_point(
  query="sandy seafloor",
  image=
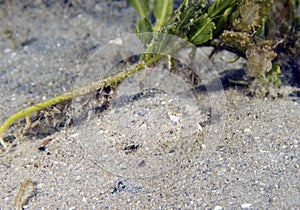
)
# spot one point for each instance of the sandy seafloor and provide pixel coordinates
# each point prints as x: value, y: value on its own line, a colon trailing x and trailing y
x: 251, y: 163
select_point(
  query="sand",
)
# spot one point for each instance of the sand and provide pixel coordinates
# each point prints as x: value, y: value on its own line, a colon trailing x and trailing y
x: 146, y: 151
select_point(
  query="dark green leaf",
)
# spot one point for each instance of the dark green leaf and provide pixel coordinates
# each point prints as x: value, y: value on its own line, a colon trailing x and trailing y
x: 219, y: 7
x: 144, y: 25
x: 162, y: 11
x: 223, y: 21
x: 202, y: 30
x: 189, y: 10
x: 141, y: 6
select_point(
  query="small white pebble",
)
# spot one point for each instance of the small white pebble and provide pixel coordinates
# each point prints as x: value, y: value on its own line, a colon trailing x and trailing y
x: 246, y: 205
x: 218, y: 208
x: 247, y: 130
x: 199, y: 127
x: 74, y: 135
x: 84, y: 199
x: 174, y: 119
x: 98, y: 8
x: 143, y: 127
x: 170, y: 100
x: 117, y: 41
x: 7, y: 50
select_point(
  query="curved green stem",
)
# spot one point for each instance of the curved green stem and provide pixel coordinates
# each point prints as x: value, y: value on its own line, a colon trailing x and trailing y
x: 113, y: 80
x: 27, y: 111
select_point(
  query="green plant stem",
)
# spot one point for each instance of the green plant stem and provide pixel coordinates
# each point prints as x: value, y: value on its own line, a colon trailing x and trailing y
x: 113, y: 80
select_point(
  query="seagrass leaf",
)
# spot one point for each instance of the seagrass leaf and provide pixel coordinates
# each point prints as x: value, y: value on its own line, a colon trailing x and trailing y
x: 202, y: 30
x: 144, y: 25
x: 223, y: 21
x: 163, y: 10
x: 188, y: 11
x: 141, y: 6
x: 219, y: 7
